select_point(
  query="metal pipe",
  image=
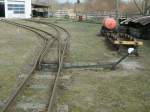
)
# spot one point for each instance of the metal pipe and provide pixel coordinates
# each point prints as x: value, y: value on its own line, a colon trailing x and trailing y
x: 130, y: 51
x: 119, y: 61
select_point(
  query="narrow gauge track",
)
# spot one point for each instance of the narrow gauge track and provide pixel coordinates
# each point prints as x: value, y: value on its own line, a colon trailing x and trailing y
x: 57, y: 27
x: 37, y: 31
x: 62, y: 51
x: 63, y: 47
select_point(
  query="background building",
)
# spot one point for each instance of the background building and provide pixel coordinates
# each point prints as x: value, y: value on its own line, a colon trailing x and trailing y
x: 15, y: 8
x: 40, y: 8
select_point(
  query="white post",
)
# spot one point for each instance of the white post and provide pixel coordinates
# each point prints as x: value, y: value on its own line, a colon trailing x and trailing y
x: 6, y: 7
x: 28, y: 8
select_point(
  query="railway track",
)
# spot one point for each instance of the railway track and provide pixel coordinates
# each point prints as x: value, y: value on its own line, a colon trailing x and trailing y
x: 62, y: 51
x: 48, y: 42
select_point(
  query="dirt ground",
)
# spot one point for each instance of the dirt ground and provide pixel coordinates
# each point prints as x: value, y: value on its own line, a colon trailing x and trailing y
x: 123, y: 90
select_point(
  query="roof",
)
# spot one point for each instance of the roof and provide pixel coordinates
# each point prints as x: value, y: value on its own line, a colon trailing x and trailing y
x: 142, y: 20
x: 138, y: 20
x: 39, y: 4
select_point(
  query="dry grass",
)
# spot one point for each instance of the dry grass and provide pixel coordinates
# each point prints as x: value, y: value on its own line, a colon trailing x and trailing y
x: 16, y: 45
x: 124, y: 90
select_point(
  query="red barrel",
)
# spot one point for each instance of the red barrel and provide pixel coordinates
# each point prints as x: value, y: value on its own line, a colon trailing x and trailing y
x: 110, y: 23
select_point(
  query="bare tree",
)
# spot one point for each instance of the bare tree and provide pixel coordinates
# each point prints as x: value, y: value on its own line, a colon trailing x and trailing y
x: 99, y: 5
x: 143, y: 6
x: 78, y: 1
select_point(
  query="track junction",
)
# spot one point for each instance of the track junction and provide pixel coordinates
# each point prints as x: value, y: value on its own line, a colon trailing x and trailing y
x: 59, y: 45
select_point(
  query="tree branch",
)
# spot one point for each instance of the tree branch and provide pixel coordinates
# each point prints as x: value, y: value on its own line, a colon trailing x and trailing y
x: 136, y: 4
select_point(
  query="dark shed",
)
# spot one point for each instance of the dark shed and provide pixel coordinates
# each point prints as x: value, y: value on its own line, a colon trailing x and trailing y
x: 138, y: 27
x: 40, y: 9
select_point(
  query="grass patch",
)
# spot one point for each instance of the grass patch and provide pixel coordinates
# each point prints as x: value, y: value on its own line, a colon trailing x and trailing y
x: 122, y: 90
x: 16, y: 45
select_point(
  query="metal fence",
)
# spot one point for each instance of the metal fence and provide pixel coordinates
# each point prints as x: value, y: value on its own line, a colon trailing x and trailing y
x: 95, y: 15
x: 99, y: 14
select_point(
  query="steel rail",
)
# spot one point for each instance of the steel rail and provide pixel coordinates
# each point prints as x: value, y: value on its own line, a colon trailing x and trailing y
x: 22, y: 25
x: 46, y: 39
x: 58, y: 32
x: 61, y: 52
x: 61, y: 60
x: 27, y: 28
x: 57, y: 77
x: 21, y: 86
x: 50, y: 25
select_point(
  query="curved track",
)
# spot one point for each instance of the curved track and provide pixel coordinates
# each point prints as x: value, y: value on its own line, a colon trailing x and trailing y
x: 62, y: 48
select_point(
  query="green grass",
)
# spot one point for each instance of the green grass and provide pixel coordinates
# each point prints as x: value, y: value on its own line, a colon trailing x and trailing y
x: 85, y: 44
x: 123, y: 90
x: 16, y: 45
x: 107, y: 91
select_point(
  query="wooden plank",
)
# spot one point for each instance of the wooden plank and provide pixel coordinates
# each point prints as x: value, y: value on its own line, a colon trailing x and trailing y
x: 122, y: 42
x: 128, y: 42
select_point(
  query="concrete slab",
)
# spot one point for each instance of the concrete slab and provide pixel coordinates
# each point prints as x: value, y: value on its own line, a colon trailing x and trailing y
x: 63, y: 108
x: 31, y: 106
x: 1, y: 104
x: 48, y: 77
x: 39, y: 86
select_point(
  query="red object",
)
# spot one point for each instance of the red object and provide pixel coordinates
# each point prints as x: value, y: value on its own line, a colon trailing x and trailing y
x: 110, y: 23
